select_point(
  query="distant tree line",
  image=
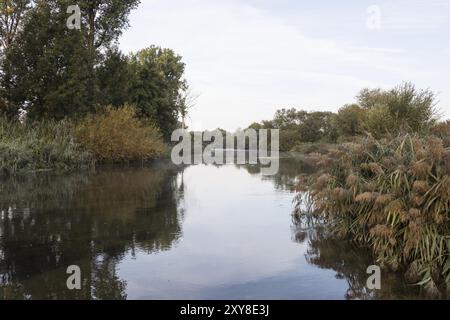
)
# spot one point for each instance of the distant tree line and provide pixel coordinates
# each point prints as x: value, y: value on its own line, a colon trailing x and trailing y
x: 49, y: 71
x: 377, y: 112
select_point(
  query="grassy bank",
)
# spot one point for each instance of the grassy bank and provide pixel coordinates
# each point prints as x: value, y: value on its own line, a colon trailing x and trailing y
x: 45, y: 146
x: 114, y: 135
x: 393, y: 196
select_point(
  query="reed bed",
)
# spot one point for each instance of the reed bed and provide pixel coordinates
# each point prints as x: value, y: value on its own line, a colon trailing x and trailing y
x: 45, y: 146
x: 392, y: 195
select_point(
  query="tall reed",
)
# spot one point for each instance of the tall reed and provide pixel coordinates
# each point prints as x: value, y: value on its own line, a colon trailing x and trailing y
x: 43, y: 146
x: 393, y: 196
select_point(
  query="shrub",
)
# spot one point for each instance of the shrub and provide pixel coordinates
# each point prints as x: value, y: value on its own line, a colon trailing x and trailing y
x: 117, y: 135
x: 442, y: 130
x: 401, y: 109
x: 308, y: 148
x: 379, y: 122
x: 393, y: 196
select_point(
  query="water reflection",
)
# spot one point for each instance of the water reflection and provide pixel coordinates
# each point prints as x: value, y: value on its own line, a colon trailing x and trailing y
x: 201, y: 232
x: 350, y: 263
x: 286, y: 178
x: 90, y: 220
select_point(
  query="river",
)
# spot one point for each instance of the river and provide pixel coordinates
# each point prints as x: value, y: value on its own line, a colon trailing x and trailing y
x: 165, y: 232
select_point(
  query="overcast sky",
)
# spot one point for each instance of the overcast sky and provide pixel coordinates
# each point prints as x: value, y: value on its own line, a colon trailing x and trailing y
x: 248, y: 58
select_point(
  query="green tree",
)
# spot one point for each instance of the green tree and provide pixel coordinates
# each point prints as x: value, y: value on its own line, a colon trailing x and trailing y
x: 103, y: 21
x: 57, y: 72
x: 113, y: 78
x: 49, y: 65
x: 350, y: 120
x: 317, y: 126
x: 409, y: 108
x: 379, y: 122
x: 12, y: 13
x: 157, y: 80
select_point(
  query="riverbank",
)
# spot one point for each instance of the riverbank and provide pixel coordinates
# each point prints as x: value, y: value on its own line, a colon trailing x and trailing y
x: 114, y: 136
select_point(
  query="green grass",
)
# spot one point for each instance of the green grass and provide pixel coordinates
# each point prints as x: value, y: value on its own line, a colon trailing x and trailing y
x: 44, y: 146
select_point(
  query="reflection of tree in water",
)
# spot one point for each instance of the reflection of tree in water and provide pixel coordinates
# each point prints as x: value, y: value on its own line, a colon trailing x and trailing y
x: 48, y: 223
x: 350, y: 263
x: 286, y: 178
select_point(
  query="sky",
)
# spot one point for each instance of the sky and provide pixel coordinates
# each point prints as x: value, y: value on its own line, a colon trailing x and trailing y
x: 245, y: 59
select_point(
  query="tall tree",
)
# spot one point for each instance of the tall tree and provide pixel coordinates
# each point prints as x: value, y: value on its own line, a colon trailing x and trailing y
x: 11, y: 17
x: 157, y: 80
x: 54, y: 67
x: 350, y: 120
x: 113, y: 78
x: 12, y: 13
x: 103, y: 21
x: 49, y: 65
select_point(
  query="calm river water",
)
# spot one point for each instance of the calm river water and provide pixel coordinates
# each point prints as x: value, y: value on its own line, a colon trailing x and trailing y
x: 159, y: 232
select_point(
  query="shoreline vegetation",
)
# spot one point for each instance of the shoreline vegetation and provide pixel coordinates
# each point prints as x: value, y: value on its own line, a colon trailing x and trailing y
x: 113, y: 136
x: 70, y: 99
x: 385, y: 182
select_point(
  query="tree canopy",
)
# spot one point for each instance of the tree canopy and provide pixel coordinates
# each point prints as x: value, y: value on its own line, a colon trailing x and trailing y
x: 50, y: 71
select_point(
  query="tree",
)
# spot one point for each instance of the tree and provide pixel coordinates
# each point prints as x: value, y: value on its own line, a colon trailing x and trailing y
x: 369, y: 98
x: 49, y: 65
x: 186, y: 101
x: 12, y: 13
x: 11, y: 17
x: 103, y: 21
x: 57, y: 72
x: 379, y: 122
x: 316, y: 126
x: 113, y: 78
x: 157, y: 80
x: 409, y: 108
x: 350, y: 120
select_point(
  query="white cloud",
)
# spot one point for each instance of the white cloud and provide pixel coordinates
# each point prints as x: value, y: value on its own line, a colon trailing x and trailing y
x: 246, y: 62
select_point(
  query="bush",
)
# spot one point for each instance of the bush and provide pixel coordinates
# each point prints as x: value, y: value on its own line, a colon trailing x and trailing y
x: 44, y: 146
x: 117, y: 135
x: 401, y: 109
x: 308, y: 148
x: 393, y: 196
x: 442, y: 130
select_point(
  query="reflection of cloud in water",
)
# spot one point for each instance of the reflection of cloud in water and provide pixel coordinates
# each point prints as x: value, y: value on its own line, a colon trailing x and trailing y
x: 220, y: 232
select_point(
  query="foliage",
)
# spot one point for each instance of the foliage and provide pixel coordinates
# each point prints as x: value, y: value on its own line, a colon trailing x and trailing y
x: 113, y: 78
x: 349, y: 120
x: 12, y: 13
x: 53, y: 72
x: 379, y: 113
x: 410, y: 109
x: 300, y: 127
x: 118, y: 135
x: 157, y: 81
x: 48, y: 66
x: 442, y: 130
x: 392, y: 195
x: 43, y: 146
